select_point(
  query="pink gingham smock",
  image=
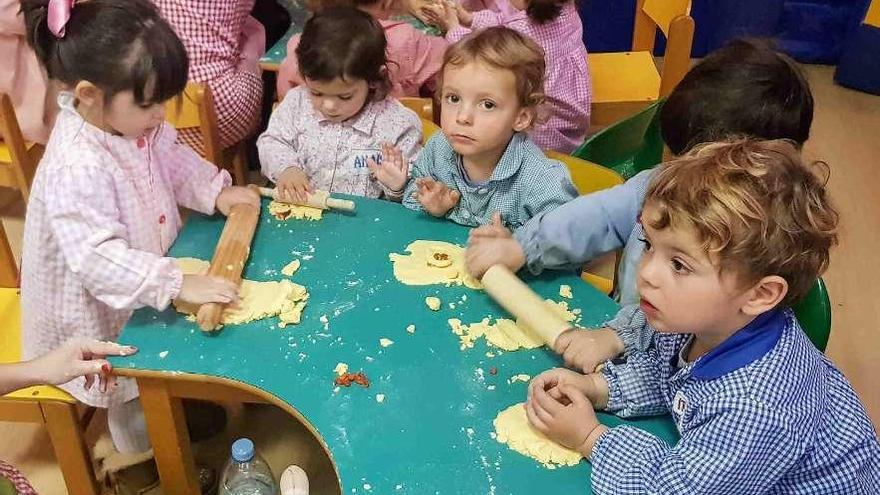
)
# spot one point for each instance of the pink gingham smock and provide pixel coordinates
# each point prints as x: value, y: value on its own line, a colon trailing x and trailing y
x: 102, y: 214
x: 566, y: 79
x: 224, y: 44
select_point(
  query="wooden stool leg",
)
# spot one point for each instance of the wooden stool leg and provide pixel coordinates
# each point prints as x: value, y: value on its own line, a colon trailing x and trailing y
x: 67, y: 439
x: 239, y: 164
x: 170, y: 438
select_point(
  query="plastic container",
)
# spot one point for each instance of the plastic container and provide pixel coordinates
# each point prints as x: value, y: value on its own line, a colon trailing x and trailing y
x: 247, y: 473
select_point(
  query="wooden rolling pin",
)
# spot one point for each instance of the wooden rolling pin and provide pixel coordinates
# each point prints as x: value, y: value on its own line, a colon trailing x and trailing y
x: 229, y: 258
x: 317, y: 199
x: 522, y: 302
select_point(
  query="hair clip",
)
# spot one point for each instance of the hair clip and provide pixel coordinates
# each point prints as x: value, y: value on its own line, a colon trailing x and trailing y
x: 58, y: 15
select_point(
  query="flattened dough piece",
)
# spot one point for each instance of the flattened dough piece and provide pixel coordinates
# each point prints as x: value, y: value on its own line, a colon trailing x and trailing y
x: 512, y: 428
x: 509, y: 336
x: 432, y: 262
x: 258, y: 300
x: 285, y: 211
x: 290, y: 268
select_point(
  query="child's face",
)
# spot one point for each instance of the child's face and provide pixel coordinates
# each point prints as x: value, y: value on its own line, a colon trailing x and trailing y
x: 480, y: 109
x: 681, y: 287
x: 122, y: 115
x: 340, y: 99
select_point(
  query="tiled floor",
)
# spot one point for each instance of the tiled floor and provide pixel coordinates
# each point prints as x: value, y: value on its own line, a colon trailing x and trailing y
x: 846, y: 134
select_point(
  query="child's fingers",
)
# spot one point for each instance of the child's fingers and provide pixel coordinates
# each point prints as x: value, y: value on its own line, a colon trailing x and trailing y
x: 101, y: 348
x: 545, y: 403
x: 534, y: 419
x: 574, y: 395
x: 496, y: 219
x: 90, y: 380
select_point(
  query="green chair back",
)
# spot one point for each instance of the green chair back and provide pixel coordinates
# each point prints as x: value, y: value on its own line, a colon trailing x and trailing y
x: 814, y: 314
x: 629, y: 146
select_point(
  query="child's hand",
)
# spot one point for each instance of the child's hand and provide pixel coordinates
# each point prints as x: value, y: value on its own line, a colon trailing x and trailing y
x: 436, y: 197
x: 201, y: 289
x: 587, y: 349
x: 592, y: 386
x: 495, y: 228
x: 465, y: 16
x: 233, y: 195
x: 293, y: 186
x: 79, y: 357
x: 484, y: 252
x: 393, y: 170
x: 441, y: 15
x: 570, y: 422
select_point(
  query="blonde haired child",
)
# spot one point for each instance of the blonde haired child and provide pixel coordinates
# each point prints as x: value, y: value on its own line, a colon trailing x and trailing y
x: 483, y: 166
x: 734, y: 234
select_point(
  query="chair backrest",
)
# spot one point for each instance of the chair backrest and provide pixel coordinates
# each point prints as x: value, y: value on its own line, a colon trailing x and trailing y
x: 586, y: 176
x: 423, y: 107
x: 429, y: 128
x: 629, y: 146
x: 814, y: 314
x: 194, y: 109
x: 8, y: 268
x: 15, y: 167
x: 672, y: 18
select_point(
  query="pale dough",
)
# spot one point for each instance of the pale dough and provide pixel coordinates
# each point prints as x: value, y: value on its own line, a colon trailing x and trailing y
x: 258, y: 300
x: 432, y: 262
x: 290, y: 268
x: 512, y: 428
x: 285, y: 211
x: 505, y: 334
x: 565, y: 291
x: 433, y: 303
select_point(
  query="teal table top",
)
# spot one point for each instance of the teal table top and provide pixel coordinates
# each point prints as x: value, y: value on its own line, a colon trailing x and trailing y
x: 431, y: 434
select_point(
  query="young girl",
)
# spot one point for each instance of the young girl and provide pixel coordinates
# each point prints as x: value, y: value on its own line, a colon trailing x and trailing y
x: 323, y: 134
x: 483, y: 165
x: 414, y: 58
x: 104, y: 204
x: 556, y: 26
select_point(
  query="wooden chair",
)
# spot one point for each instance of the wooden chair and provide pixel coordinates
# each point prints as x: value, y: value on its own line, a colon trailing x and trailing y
x: 429, y: 128
x: 18, y: 159
x: 194, y: 109
x: 423, y: 107
x: 625, y: 82
x: 47, y: 405
x: 589, y: 177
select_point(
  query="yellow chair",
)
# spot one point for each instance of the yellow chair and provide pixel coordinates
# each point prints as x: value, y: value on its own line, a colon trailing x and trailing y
x: 194, y: 109
x: 429, y: 128
x: 626, y: 82
x: 423, y: 107
x: 18, y: 159
x: 589, y: 177
x: 47, y: 405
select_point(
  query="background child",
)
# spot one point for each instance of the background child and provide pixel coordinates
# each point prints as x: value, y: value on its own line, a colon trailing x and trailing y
x: 745, y: 88
x: 556, y: 26
x: 104, y: 205
x: 734, y: 234
x: 224, y: 44
x: 483, y: 163
x: 414, y: 57
x: 324, y: 132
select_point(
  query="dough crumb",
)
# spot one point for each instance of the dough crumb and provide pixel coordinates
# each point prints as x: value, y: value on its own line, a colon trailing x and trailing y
x: 341, y: 369
x: 490, y: 387
x: 433, y: 303
x: 522, y: 377
x: 451, y: 305
x: 380, y: 398
x: 411, y: 328
x: 284, y: 211
x: 325, y: 321
x: 163, y: 354
x: 290, y: 268
x: 385, y: 342
x: 565, y: 291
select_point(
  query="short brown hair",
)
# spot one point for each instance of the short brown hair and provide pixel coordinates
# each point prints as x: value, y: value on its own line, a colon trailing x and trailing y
x: 754, y: 204
x: 503, y: 48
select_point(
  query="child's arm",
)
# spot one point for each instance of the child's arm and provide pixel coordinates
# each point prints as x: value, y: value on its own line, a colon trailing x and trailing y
x: 552, y: 189
x: 279, y: 146
x: 393, y: 172
x: 288, y: 72
x: 196, y: 181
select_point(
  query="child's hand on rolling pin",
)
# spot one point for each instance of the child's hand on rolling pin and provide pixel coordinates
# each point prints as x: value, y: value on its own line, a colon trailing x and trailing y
x: 586, y: 349
x: 592, y: 385
x: 436, y: 197
x: 293, y: 186
x: 78, y: 357
x: 233, y: 195
x: 570, y: 421
x: 495, y: 228
x: 393, y: 170
x: 484, y: 252
x: 201, y: 289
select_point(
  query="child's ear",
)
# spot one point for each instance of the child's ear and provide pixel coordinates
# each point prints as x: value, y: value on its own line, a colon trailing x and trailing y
x: 765, y: 295
x: 88, y: 94
x: 524, y: 118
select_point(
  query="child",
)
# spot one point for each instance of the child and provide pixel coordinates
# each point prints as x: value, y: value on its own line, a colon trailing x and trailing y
x: 324, y: 132
x: 735, y: 233
x: 104, y: 205
x: 414, y: 58
x: 483, y: 165
x: 556, y: 26
x: 744, y: 88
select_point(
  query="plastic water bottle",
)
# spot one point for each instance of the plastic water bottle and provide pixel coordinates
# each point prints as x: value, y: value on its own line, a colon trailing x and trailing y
x: 246, y: 472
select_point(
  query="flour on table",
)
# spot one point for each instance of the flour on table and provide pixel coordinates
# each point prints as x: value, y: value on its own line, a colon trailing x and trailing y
x: 512, y: 428
x: 284, y: 211
x: 432, y: 262
x: 257, y: 300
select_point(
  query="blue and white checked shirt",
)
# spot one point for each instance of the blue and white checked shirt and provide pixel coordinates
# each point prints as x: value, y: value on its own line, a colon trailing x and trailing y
x: 763, y: 413
x: 524, y: 183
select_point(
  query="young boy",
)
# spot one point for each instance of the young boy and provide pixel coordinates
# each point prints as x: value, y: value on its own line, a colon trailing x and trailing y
x: 734, y: 234
x: 483, y: 162
x: 742, y: 89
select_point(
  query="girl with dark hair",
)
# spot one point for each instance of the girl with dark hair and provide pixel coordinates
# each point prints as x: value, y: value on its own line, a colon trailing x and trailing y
x: 556, y: 26
x: 327, y: 132
x: 103, y: 209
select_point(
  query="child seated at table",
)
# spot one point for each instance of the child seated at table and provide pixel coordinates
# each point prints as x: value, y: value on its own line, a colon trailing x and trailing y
x: 483, y: 164
x: 323, y: 134
x: 734, y: 234
x: 745, y: 88
x: 414, y: 58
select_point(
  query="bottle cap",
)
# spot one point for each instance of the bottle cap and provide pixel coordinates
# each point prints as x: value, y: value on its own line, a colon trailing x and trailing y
x: 243, y: 450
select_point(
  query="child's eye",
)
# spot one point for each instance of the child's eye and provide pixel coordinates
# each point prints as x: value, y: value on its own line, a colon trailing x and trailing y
x: 487, y: 104
x: 646, y: 242
x: 345, y: 97
x: 452, y: 98
x: 679, y: 267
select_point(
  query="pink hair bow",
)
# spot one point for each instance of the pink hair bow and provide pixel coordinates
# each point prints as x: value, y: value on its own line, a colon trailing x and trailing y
x: 59, y: 14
